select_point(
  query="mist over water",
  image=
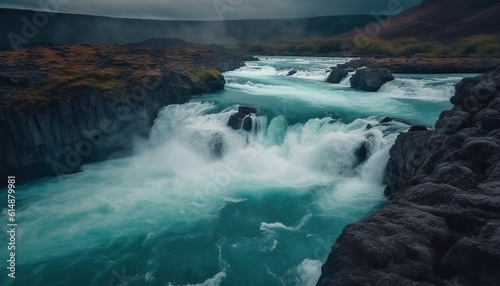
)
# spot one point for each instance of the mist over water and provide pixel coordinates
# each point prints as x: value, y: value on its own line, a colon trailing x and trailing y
x: 202, y: 204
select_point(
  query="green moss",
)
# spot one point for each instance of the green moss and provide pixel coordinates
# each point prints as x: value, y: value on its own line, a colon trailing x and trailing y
x: 106, y: 79
x: 23, y: 98
x: 199, y: 76
x: 480, y: 46
x: 46, y: 92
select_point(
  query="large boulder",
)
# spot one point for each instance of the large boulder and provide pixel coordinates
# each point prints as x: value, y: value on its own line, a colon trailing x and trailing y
x: 242, y: 118
x: 370, y: 79
x: 337, y: 75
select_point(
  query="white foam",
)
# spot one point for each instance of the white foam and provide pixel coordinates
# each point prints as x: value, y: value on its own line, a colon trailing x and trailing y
x: 177, y: 174
x: 309, y: 272
x: 234, y: 200
x: 272, y: 227
x: 149, y: 277
x: 213, y: 281
x: 422, y: 88
x: 307, y: 68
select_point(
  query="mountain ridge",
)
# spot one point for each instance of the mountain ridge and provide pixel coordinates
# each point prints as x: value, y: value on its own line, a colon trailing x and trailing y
x: 84, y: 29
x: 442, y: 21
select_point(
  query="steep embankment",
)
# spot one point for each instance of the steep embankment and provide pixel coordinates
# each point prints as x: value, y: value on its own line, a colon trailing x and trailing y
x: 62, y: 106
x: 442, y: 20
x: 441, y: 223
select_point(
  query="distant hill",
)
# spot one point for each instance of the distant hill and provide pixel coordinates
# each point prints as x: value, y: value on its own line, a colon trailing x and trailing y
x: 443, y: 20
x: 71, y: 28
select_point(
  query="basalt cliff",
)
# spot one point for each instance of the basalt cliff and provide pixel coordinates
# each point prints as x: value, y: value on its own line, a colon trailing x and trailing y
x: 65, y: 105
x: 441, y: 222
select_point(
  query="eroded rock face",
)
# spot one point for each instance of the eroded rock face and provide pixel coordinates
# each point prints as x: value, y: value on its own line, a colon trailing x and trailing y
x: 242, y: 119
x: 370, y: 79
x: 441, y: 223
x: 337, y: 75
x: 57, y: 139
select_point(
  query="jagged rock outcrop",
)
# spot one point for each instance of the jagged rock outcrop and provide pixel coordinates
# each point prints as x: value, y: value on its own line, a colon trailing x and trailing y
x: 370, y: 79
x: 242, y: 118
x: 337, y: 75
x: 441, y: 223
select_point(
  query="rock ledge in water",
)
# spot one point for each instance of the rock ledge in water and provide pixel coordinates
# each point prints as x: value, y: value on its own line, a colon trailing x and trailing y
x: 370, y: 79
x: 337, y: 75
x: 242, y: 119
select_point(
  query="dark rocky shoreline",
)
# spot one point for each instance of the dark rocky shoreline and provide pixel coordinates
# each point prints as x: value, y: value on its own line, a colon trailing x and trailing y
x: 441, y: 223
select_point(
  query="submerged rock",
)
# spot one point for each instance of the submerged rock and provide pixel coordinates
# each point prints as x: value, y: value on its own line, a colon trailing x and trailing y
x: 242, y: 119
x: 217, y: 145
x: 337, y: 75
x: 441, y: 223
x: 292, y: 72
x: 386, y: 119
x: 362, y: 152
x: 370, y: 79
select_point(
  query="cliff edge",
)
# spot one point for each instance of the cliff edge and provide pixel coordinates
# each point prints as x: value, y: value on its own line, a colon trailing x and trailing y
x: 441, y: 223
x: 65, y: 105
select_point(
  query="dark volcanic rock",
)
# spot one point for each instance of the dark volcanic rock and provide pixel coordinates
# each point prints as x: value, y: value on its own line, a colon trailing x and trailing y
x: 441, y: 223
x: 292, y: 72
x: 337, y: 75
x: 242, y: 119
x: 416, y: 128
x: 386, y: 120
x: 370, y: 79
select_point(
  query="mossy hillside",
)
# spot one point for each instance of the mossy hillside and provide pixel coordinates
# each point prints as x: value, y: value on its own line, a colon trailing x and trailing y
x: 52, y: 89
x: 478, y: 46
x: 53, y: 73
x: 105, y: 79
x: 200, y: 76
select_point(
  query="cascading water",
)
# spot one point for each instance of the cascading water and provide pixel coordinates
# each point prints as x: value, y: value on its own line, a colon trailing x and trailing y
x: 203, y: 204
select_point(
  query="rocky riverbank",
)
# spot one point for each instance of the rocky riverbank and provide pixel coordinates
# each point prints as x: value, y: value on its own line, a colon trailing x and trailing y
x: 425, y: 65
x: 63, y: 106
x: 441, y: 223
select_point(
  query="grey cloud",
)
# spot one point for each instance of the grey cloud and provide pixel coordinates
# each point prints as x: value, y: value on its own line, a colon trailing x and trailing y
x: 213, y: 9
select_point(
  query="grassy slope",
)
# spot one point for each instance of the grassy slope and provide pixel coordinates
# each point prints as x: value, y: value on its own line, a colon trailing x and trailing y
x: 111, y: 69
x: 478, y: 46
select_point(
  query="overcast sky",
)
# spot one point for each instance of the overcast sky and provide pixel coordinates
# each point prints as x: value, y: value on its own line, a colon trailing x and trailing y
x: 212, y: 9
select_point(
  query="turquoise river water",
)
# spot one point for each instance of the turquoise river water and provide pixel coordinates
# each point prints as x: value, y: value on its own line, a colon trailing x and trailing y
x: 266, y: 212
